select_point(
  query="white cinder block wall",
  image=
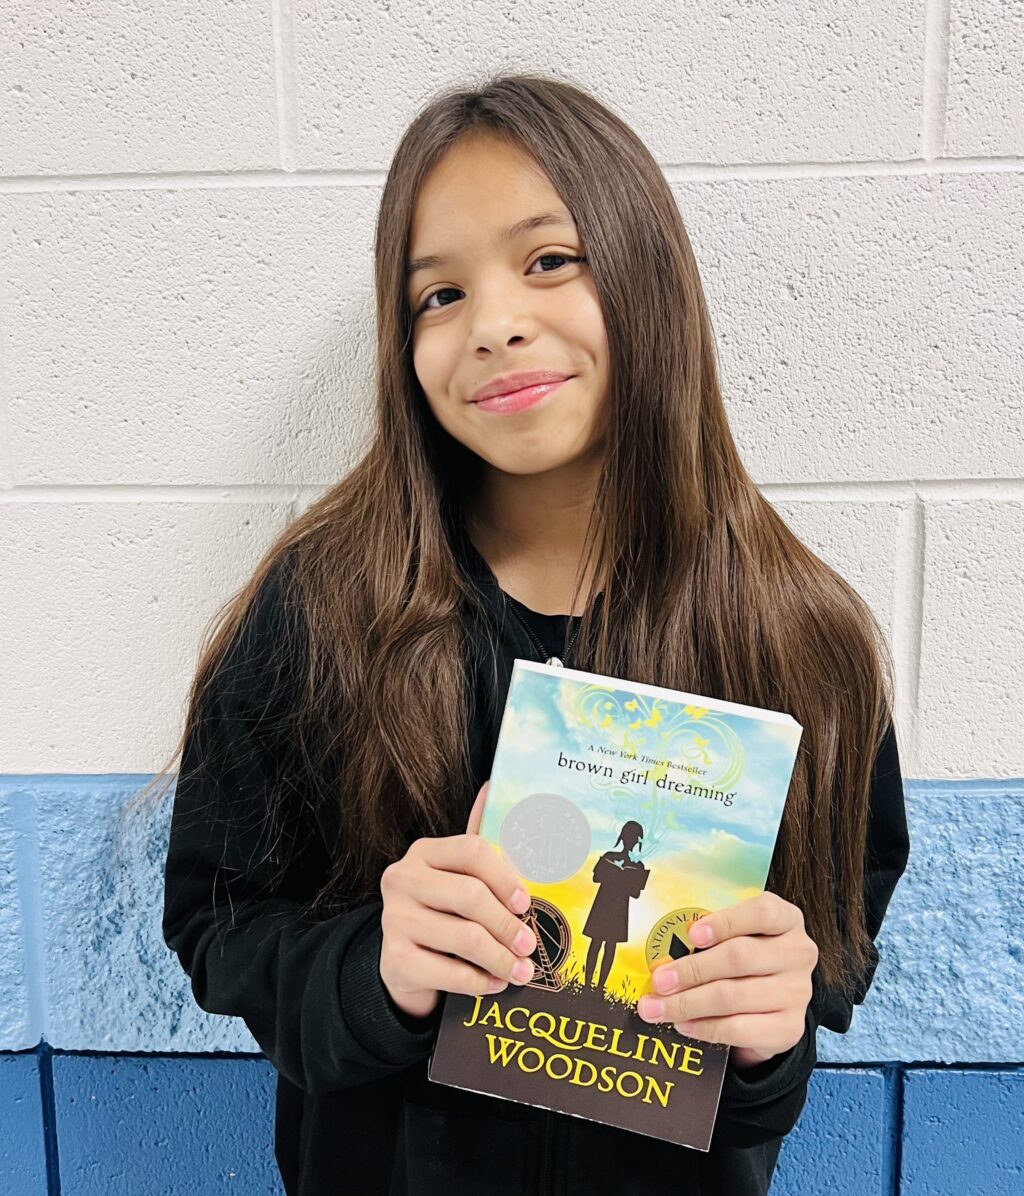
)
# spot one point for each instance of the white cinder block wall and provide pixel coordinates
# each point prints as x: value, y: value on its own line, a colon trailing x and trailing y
x: 187, y: 196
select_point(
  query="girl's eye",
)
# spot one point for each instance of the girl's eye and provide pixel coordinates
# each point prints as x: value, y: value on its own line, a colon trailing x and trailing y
x: 565, y: 257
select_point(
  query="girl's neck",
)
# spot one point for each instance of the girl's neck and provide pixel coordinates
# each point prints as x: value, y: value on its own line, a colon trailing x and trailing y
x: 538, y: 569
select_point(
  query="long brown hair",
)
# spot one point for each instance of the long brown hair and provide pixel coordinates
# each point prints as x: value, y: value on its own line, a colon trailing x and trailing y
x: 706, y: 588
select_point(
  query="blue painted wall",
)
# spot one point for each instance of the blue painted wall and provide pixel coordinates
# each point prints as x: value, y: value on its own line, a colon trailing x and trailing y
x: 113, y: 1081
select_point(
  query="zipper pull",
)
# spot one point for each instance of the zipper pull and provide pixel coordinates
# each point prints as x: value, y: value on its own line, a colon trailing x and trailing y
x: 555, y: 661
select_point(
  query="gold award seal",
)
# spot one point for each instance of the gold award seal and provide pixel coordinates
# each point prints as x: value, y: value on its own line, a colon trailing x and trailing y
x: 670, y: 937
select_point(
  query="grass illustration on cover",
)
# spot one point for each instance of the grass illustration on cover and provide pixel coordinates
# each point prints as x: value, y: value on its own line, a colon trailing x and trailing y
x: 630, y: 811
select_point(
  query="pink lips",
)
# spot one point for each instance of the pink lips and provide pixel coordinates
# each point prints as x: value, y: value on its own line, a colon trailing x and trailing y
x: 519, y: 400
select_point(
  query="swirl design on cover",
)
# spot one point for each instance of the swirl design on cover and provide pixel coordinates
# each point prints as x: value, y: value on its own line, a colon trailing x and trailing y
x: 654, y: 729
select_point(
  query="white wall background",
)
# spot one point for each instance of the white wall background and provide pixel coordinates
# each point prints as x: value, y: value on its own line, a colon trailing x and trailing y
x: 187, y: 197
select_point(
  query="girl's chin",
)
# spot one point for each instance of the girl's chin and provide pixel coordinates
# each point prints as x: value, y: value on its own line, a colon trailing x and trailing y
x: 524, y: 463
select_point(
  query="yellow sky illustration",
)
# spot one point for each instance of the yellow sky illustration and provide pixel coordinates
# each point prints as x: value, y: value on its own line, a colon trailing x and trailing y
x: 711, y: 874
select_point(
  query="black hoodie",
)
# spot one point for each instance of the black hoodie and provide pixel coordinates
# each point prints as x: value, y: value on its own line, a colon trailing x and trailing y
x: 355, y: 1112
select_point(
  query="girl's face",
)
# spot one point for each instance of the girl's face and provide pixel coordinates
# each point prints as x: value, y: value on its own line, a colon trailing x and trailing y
x: 498, y: 306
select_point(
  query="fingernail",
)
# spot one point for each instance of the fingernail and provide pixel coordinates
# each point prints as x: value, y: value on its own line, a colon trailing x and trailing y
x: 523, y: 942
x: 701, y: 934
x: 520, y: 901
x: 651, y: 1007
x: 664, y: 979
x: 522, y: 971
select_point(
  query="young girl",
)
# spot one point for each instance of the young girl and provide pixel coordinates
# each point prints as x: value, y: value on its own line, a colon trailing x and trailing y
x: 551, y: 476
x: 619, y: 878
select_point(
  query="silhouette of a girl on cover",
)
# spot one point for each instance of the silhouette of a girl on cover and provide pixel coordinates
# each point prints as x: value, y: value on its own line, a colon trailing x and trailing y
x: 619, y: 878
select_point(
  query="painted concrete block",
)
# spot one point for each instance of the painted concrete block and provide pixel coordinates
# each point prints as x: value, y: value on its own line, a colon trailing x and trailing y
x: 21, y: 1010
x: 836, y: 344
x: 843, y: 1142
x: 984, y: 111
x: 962, y: 1132
x: 189, y: 335
x: 357, y: 81
x: 112, y: 982
x: 950, y: 984
x: 971, y: 674
x: 22, y: 1146
x: 146, y: 1127
x: 99, y: 91
x: 949, y: 988
x: 111, y: 605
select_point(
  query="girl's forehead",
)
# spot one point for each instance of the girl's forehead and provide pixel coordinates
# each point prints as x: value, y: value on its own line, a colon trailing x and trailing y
x: 482, y: 178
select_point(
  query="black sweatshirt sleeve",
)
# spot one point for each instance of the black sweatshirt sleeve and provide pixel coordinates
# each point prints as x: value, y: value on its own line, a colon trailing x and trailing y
x: 309, y: 990
x: 765, y: 1101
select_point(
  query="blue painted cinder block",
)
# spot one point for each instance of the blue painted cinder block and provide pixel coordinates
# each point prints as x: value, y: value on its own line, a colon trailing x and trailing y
x: 22, y: 1145
x: 963, y: 1132
x: 21, y: 1013
x: 147, y: 1127
x: 89, y: 883
x: 951, y: 964
x: 842, y: 1143
x: 93, y: 901
x: 83, y: 967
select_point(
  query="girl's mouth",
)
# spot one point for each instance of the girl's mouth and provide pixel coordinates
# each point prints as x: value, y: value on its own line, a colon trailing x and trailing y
x: 519, y: 400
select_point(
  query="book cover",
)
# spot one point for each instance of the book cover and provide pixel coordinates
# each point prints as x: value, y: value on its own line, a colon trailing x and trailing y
x: 630, y: 811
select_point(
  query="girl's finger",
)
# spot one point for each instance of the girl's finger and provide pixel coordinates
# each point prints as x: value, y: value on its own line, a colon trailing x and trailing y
x: 433, y: 969
x: 475, y: 944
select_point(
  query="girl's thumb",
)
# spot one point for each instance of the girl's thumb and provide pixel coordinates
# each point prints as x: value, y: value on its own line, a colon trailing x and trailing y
x: 477, y: 812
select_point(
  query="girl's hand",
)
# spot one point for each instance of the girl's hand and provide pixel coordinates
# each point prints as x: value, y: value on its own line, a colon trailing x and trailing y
x: 450, y: 920
x: 749, y: 989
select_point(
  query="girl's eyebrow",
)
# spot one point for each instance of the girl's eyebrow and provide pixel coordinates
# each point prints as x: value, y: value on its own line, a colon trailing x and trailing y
x: 504, y: 236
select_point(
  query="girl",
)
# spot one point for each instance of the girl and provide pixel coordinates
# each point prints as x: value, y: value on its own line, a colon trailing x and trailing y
x: 551, y: 476
x: 618, y: 877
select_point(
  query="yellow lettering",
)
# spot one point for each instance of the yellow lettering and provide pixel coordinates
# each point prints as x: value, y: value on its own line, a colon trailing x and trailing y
x: 613, y: 1049
x: 661, y: 1091
x: 503, y: 1049
x: 666, y: 1051
x: 508, y: 1018
x: 476, y: 1010
x: 580, y: 1065
x: 697, y: 1055
x: 492, y: 1017
x: 556, y: 1062
x: 595, y: 1036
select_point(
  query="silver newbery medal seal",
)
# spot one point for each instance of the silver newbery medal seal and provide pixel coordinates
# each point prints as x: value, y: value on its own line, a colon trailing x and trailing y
x: 545, y: 837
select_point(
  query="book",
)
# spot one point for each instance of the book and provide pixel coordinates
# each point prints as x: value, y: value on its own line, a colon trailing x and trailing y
x: 630, y: 811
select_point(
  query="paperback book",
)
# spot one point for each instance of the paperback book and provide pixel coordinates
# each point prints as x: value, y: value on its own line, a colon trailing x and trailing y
x: 630, y: 811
